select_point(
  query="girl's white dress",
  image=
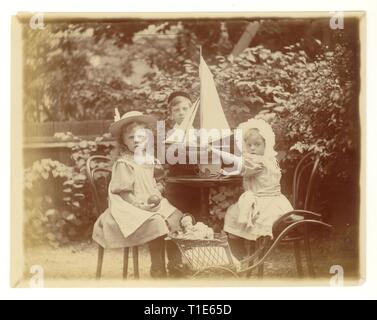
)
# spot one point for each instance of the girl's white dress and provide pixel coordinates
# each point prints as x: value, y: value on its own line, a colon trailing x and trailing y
x: 124, y: 225
x: 261, y: 204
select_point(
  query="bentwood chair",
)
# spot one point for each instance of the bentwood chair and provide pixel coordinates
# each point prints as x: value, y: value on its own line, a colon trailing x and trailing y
x: 99, y: 175
x: 297, y: 231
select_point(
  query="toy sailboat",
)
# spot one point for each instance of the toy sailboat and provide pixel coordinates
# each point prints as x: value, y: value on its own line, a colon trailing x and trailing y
x: 213, y: 124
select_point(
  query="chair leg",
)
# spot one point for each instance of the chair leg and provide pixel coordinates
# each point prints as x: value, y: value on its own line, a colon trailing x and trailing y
x: 135, y: 258
x: 297, y: 251
x: 251, y: 248
x: 101, y: 252
x: 254, y: 247
x: 309, y: 257
x: 261, y: 267
x: 125, y: 262
x: 261, y: 271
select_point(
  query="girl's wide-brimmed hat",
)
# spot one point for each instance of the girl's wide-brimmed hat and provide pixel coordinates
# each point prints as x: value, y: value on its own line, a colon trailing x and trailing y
x: 129, y: 117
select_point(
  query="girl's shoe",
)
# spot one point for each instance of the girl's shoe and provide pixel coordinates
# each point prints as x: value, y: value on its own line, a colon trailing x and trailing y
x: 177, y: 270
x: 158, y: 273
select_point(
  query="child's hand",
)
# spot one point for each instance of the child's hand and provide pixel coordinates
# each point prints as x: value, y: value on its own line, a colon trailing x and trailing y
x: 253, y: 166
x: 155, y: 208
x: 149, y: 207
x: 229, y: 173
x: 256, y: 160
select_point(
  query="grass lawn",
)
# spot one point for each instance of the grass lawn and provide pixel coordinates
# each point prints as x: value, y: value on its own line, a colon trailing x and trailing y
x: 78, y: 261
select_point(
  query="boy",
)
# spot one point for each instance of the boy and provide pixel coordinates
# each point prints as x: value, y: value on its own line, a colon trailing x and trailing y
x: 179, y: 105
x: 181, y: 195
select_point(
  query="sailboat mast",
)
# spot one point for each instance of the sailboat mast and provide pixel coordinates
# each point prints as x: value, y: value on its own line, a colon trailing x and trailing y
x: 201, y: 91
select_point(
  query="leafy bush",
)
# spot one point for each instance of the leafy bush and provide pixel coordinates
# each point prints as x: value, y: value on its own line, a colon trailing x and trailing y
x: 58, y: 202
x: 220, y: 199
x: 104, y: 60
x: 310, y: 103
x: 48, y: 217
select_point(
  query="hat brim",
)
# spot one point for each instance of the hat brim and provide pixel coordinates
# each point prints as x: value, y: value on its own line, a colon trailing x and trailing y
x: 116, y: 127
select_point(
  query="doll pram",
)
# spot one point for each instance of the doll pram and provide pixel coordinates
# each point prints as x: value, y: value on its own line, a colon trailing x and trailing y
x: 205, y: 257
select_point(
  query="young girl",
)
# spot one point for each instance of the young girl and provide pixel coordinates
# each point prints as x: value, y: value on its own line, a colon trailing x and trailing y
x: 262, y: 203
x: 130, y: 220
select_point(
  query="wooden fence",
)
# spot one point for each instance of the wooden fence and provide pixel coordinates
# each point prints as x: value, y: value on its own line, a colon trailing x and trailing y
x: 39, y: 141
x: 78, y: 128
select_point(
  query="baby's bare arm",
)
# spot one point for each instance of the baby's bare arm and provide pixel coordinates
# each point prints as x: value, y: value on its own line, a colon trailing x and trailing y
x: 229, y: 158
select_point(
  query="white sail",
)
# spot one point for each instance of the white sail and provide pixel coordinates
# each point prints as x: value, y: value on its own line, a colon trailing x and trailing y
x: 212, y: 117
x: 211, y: 112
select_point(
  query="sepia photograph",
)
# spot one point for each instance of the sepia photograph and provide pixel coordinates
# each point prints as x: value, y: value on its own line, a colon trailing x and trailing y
x: 175, y: 150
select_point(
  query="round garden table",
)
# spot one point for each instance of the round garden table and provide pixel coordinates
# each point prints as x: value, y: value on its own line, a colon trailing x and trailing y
x: 204, y: 184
